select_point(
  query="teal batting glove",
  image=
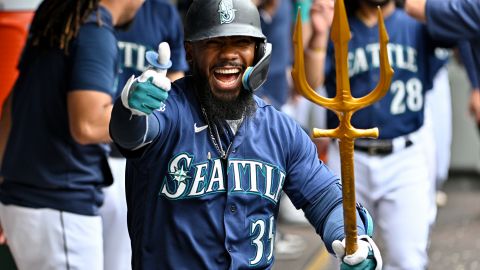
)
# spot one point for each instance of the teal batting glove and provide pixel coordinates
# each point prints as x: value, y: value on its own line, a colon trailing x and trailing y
x: 146, y: 97
x: 146, y: 94
x: 367, y: 256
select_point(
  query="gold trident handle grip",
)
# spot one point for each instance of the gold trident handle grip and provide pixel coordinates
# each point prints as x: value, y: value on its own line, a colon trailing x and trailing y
x: 344, y: 105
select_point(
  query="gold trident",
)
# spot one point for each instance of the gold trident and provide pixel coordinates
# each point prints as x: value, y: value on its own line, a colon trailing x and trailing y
x: 344, y: 105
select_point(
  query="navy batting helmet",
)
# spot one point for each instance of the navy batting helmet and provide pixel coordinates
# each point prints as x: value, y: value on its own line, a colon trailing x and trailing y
x: 220, y: 18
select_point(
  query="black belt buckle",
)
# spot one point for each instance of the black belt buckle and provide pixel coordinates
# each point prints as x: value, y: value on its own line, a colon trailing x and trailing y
x: 374, y: 147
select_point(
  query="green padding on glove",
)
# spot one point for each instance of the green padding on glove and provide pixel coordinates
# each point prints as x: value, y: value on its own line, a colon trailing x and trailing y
x: 146, y: 97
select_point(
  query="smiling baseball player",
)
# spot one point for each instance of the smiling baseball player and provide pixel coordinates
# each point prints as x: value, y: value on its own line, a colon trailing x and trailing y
x: 207, y: 160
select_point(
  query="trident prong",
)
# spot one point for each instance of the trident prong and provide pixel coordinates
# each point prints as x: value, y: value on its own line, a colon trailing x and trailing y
x: 344, y: 105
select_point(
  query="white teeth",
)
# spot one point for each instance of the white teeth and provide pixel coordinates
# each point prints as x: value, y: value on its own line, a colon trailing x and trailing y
x: 227, y: 70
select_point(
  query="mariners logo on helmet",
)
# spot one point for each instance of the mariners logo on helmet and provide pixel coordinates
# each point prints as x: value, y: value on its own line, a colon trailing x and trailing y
x: 227, y: 13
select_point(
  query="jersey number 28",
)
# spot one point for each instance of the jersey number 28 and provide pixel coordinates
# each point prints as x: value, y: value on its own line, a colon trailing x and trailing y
x: 406, y: 95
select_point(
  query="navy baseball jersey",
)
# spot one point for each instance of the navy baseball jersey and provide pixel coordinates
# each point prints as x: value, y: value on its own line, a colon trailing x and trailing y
x: 411, y: 53
x: 43, y: 166
x: 157, y: 21
x: 190, y: 209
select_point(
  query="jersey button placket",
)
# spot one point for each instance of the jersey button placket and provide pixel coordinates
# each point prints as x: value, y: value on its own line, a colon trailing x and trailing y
x: 233, y: 208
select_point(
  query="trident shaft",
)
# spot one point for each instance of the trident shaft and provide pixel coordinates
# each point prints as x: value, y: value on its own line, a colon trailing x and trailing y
x: 344, y: 105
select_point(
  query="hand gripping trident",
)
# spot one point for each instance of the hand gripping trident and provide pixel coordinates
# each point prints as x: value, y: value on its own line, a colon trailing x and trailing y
x: 344, y: 105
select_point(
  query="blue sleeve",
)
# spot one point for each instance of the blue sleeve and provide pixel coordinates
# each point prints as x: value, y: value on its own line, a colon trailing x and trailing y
x: 94, y: 60
x: 459, y: 19
x: 326, y: 215
x: 307, y: 175
x: 465, y: 50
x: 131, y: 132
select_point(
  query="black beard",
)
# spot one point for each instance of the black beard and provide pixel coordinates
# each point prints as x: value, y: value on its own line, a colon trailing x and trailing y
x: 375, y: 3
x: 216, y: 109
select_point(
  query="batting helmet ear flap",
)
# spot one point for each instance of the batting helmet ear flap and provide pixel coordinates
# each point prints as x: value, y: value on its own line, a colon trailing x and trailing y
x: 259, y: 51
x: 255, y: 76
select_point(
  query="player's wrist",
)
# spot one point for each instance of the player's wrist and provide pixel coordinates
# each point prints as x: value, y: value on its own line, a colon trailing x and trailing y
x: 317, y: 44
x: 317, y: 50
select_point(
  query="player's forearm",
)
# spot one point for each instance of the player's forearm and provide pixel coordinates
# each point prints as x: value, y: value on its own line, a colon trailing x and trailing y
x: 129, y: 131
x: 315, y: 55
x: 334, y: 228
x: 92, y: 131
x: 88, y: 115
x: 326, y: 215
x: 98, y: 128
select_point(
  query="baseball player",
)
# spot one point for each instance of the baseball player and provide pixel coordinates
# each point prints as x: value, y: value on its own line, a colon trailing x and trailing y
x: 207, y: 160
x: 55, y: 162
x: 392, y: 172
x: 157, y: 20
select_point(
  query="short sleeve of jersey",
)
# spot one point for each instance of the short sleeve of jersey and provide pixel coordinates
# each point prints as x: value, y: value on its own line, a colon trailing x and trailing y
x: 307, y: 175
x: 94, y: 59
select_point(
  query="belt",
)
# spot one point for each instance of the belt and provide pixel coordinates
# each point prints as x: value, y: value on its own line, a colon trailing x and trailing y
x: 381, y: 147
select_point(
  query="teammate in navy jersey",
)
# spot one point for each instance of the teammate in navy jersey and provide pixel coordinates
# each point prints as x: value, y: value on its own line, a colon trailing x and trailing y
x: 156, y: 21
x: 205, y: 167
x: 55, y: 162
x: 392, y: 172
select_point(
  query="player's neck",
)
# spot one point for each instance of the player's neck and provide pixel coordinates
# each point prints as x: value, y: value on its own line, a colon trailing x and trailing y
x: 368, y: 14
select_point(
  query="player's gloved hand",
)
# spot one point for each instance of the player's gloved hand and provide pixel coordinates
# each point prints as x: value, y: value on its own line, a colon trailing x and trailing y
x: 367, y: 256
x: 145, y: 94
